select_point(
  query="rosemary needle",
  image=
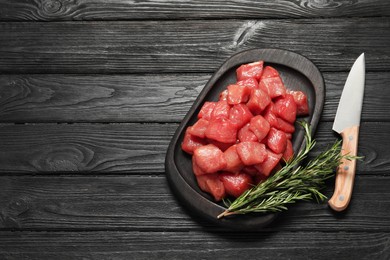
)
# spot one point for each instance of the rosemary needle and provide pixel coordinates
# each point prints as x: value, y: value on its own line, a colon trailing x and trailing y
x: 292, y: 183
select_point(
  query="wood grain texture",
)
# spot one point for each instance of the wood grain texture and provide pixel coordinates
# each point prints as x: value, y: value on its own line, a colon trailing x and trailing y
x: 188, y: 46
x: 84, y: 148
x: 98, y: 98
x: 144, y: 98
x: 91, y: 92
x: 144, y: 203
x: 137, y: 148
x: 191, y: 245
x: 57, y: 10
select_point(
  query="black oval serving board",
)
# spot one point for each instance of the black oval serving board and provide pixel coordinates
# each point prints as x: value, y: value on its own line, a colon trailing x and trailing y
x: 298, y: 73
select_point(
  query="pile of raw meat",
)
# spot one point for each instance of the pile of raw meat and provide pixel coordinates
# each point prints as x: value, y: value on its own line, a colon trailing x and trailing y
x: 241, y: 139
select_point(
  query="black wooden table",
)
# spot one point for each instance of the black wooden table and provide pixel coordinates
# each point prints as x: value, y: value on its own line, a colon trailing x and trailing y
x: 91, y: 93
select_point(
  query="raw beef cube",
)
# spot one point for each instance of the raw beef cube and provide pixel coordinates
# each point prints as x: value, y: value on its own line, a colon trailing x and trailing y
x: 233, y: 161
x: 273, y: 86
x: 250, y: 70
x: 199, y: 128
x: 206, y: 110
x: 191, y: 142
x: 221, y: 110
x: 246, y: 135
x: 221, y: 130
x: 276, y: 140
x: 259, y: 126
x: 269, y: 72
x: 212, y: 184
x: 301, y: 100
x: 235, y: 183
x: 238, y: 94
x: 265, y: 168
x: 258, y: 101
x: 270, y: 116
x: 286, y: 108
x: 240, y: 115
x: 251, y: 152
x: 209, y: 158
x: 195, y: 168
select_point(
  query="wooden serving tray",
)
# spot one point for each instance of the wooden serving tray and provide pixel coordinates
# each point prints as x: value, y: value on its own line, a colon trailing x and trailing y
x: 297, y: 73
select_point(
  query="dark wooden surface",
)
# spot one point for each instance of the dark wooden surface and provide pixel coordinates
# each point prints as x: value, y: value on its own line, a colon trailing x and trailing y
x: 91, y: 93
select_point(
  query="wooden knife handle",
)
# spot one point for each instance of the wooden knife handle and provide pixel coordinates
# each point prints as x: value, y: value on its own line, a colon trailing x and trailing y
x: 345, y: 174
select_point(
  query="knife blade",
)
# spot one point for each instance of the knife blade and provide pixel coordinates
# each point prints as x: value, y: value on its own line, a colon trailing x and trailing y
x: 346, y: 123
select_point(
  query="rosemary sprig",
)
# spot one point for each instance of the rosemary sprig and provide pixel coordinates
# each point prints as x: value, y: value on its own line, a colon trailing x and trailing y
x: 292, y: 183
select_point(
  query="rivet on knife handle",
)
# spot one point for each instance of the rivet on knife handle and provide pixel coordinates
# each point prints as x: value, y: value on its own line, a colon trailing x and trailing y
x: 346, y: 172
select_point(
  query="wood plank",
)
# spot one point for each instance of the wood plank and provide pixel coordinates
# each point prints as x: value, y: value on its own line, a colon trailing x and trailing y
x: 199, y: 245
x: 98, y: 98
x: 144, y: 98
x: 146, y: 203
x: 194, y: 245
x: 23, y: 10
x: 96, y: 148
x: 188, y: 46
x: 137, y: 148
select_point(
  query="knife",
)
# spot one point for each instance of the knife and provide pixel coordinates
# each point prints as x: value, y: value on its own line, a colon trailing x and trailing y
x: 347, y: 123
